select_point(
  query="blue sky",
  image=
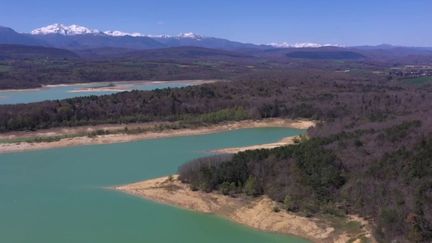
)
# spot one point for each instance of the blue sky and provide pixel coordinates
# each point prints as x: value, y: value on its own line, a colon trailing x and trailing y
x: 348, y: 22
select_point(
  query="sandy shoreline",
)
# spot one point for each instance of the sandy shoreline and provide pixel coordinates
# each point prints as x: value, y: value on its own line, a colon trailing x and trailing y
x: 254, y: 212
x: 121, y: 137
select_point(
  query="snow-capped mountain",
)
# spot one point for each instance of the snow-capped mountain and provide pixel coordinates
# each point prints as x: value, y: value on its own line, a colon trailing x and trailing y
x: 120, y: 33
x: 80, y: 37
x: 74, y: 29
x: 187, y: 35
x: 64, y: 30
x: 190, y: 35
x: 302, y: 45
x: 159, y: 36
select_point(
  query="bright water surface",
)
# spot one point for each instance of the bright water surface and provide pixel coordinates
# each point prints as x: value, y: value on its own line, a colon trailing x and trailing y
x: 57, y: 195
x: 66, y: 91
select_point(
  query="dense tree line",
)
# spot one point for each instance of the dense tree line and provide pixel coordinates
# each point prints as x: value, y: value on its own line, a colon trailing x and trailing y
x: 313, y: 94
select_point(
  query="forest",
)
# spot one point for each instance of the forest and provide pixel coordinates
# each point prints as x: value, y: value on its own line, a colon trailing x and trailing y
x: 31, y: 66
x: 369, y: 172
x: 370, y: 154
x: 311, y: 94
x: 378, y: 167
x: 23, y: 67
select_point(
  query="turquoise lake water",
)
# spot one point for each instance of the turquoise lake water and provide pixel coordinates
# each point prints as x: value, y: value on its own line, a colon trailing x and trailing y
x: 58, y: 195
x: 64, y: 92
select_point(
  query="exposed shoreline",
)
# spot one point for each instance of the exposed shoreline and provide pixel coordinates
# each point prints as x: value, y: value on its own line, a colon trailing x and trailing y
x: 128, y: 85
x: 257, y: 212
x: 122, y: 137
x: 115, y: 88
x: 232, y: 150
x: 47, y: 86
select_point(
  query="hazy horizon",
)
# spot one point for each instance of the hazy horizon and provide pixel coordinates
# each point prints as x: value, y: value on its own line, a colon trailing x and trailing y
x: 367, y: 22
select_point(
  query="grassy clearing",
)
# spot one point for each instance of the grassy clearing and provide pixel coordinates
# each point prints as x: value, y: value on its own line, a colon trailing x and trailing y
x: 419, y: 81
x: 355, y: 230
x: 4, y: 68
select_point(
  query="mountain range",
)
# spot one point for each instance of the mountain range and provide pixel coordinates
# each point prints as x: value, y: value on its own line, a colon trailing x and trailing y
x: 93, y: 43
x: 78, y: 37
x: 81, y: 37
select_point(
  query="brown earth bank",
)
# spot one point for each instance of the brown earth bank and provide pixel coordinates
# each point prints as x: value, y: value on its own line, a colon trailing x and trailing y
x: 233, y: 150
x: 260, y: 213
x: 77, y: 135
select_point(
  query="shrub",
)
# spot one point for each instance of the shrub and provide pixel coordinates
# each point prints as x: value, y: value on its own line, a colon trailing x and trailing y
x: 251, y: 187
x: 276, y: 209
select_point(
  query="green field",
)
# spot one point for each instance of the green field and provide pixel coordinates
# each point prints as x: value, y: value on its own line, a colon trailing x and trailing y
x: 4, y: 68
x: 419, y: 81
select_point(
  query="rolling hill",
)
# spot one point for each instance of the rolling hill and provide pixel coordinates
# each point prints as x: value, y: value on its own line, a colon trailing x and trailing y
x: 17, y: 52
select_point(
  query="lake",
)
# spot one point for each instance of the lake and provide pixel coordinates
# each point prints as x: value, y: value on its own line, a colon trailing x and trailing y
x: 54, y: 92
x: 60, y: 195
